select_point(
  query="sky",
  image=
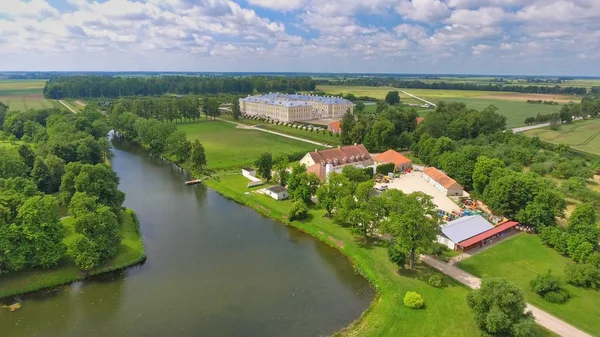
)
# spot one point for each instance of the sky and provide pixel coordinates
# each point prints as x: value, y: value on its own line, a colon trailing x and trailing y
x: 529, y: 37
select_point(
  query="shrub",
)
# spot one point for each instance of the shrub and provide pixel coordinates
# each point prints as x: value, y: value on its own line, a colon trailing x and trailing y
x: 413, y: 300
x: 558, y: 297
x: 435, y: 280
x: 385, y: 168
x: 583, y: 275
x: 548, y: 286
x: 298, y: 211
x: 438, y: 248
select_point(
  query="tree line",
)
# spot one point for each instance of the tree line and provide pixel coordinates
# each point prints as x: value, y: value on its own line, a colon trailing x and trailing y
x: 416, y: 84
x: 588, y: 108
x: 59, y: 163
x: 116, y: 86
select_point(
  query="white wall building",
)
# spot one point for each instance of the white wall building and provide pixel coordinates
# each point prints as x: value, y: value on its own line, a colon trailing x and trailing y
x: 296, y: 107
x: 323, y: 162
x: 277, y: 192
x: 442, y: 182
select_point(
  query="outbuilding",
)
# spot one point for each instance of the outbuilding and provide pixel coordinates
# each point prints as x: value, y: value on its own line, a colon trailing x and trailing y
x: 249, y: 173
x: 472, y: 232
x: 401, y: 163
x: 277, y: 192
x: 442, y: 182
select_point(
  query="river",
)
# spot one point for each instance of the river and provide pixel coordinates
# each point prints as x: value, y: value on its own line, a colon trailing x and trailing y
x: 214, y: 268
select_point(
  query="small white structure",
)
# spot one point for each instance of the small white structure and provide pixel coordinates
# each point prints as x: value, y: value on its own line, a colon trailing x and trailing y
x: 277, y: 192
x: 248, y: 173
x: 442, y: 182
x: 459, y: 230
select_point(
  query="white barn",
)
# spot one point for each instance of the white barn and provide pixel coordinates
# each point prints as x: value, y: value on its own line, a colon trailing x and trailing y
x: 277, y: 192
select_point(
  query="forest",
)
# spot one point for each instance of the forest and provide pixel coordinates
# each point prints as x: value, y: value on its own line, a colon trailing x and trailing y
x: 417, y: 84
x: 112, y: 87
x: 54, y: 163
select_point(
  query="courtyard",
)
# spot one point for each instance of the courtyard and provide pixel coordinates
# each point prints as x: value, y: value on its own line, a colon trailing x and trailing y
x: 414, y: 182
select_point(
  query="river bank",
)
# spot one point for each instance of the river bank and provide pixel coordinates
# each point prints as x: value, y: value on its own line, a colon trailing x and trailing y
x: 131, y: 252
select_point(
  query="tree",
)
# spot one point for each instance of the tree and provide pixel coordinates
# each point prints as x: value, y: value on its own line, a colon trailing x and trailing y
x: 102, y: 182
x: 264, y: 164
x: 347, y: 124
x: 305, y: 186
x: 382, y: 136
x: 27, y: 155
x: 84, y: 252
x: 396, y: 255
x: 381, y: 106
x: 482, y: 172
x: 355, y: 174
x: 549, y: 287
x: 179, y: 146
x: 499, y: 310
x: 81, y: 204
x: 543, y: 210
x: 584, y: 275
x: 298, y: 211
x: 235, y: 110
x: 511, y: 193
x: 337, y: 187
x: 281, y: 173
x: 458, y: 166
x: 359, y: 107
x: 412, y: 220
x: 11, y: 164
x: 392, y: 97
x: 56, y: 167
x: 41, y: 174
x: 583, y: 221
x: 39, y: 221
x: 565, y: 114
x: 197, y: 156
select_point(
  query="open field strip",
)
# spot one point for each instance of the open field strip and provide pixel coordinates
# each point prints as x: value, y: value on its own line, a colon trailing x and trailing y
x: 520, y: 259
x: 580, y: 135
x: 375, y: 92
x: 22, y: 95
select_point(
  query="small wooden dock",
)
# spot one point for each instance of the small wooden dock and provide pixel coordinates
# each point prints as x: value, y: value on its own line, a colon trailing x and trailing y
x: 193, y: 182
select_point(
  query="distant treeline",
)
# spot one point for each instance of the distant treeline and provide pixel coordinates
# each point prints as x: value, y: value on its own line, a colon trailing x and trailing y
x: 539, y: 101
x: 589, y: 107
x: 416, y: 84
x: 112, y: 87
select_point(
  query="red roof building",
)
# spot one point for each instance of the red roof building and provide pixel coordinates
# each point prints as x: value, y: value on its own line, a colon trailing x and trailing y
x: 486, y: 237
x: 420, y: 120
x: 390, y: 156
x: 442, y: 182
x: 335, y: 127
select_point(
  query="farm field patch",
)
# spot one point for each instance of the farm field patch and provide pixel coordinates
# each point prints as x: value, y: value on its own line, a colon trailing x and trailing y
x: 22, y: 95
x: 580, y: 135
x: 376, y: 92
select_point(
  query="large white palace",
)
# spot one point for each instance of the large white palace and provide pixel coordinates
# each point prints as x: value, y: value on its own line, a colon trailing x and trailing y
x: 292, y: 108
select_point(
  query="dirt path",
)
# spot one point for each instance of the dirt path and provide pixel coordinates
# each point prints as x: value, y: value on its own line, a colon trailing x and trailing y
x: 80, y: 103
x: 66, y: 106
x: 419, y: 98
x: 243, y: 126
x: 541, y: 317
x: 536, y: 126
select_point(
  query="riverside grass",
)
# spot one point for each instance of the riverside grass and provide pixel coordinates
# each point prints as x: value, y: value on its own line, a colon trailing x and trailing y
x: 131, y: 251
x: 520, y: 259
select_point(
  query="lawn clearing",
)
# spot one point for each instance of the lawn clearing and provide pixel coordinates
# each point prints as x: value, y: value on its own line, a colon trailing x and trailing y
x: 519, y: 259
x: 229, y: 147
x: 130, y: 252
x: 446, y: 312
x: 580, y: 135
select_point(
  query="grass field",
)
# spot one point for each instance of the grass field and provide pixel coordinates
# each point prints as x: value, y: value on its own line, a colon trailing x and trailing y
x: 130, y: 252
x: 321, y: 137
x: 228, y: 146
x: 580, y: 135
x: 23, y: 95
x: 520, y: 259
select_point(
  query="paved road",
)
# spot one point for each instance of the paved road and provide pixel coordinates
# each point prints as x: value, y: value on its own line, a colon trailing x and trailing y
x: 537, y: 126
x: 541, y: 317
x: 66, y: 106
x: 276, y: 133
x: 419, y: 98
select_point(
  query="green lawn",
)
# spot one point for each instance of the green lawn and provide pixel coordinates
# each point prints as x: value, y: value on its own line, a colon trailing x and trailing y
x: 130, y: 252
x: 580, y: 135
x: 320, y: 137
x: 515, y: 111
x: 520, y: 259
x: 227, y: 146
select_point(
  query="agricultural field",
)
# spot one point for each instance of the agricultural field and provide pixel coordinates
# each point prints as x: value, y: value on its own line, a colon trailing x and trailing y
x: 579, y: 135
x: 23, y: 94
x: 228, y: 146
x: 520, y: 259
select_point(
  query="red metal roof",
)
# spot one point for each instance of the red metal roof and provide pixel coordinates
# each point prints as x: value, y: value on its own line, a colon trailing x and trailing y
x: 487, y: 234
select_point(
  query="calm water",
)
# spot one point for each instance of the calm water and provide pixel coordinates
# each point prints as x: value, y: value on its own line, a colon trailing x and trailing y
x: 214, y: 268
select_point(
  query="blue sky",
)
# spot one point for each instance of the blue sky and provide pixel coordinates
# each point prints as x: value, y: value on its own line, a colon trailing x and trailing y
x: 535, y: 37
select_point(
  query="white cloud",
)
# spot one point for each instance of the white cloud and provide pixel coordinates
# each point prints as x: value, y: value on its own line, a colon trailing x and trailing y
x: 423, y: 10
x: 485, y: 16
x: 279, y: 5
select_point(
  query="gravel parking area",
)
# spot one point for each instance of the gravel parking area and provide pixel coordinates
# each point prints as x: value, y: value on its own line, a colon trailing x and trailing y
x: 413, y: 182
